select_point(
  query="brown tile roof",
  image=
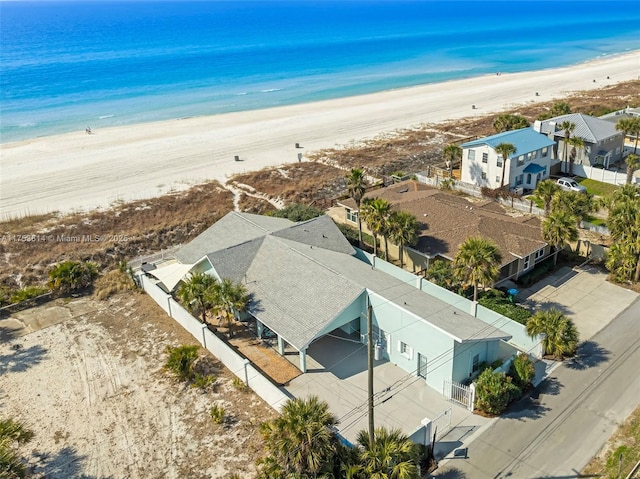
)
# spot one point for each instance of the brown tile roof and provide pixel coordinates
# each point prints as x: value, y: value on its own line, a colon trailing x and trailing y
x: 447, y: 220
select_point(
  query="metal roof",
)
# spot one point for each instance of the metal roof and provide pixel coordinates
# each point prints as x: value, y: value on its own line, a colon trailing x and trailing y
x: 525, y: 140
x: 534, y: 168
x: 589, y: 128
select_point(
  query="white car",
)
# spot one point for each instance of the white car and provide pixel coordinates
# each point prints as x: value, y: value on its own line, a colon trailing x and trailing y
x: 569, y: 184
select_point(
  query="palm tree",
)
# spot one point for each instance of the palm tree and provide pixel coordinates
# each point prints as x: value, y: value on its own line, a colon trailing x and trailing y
x: 392, y: 455
x: 376, y: 213
x: 403, y: 230
x: 194, y: 293
x: 558, y: 229
x: 622, y: 262
x: 227, y: 299
x: 452, y: 154
x: 477, y: 262
x: 545, y: 191
x: 629, y: 127
x: 357, y: 185
x: 575, y: 143
x: 577, y: 204
x: 633, y: 162
x: 568, y: 127
x: 300, y: 442
x: 624, y: 225
x: 560, y: 333
x: 440, y: 272
x: 508, y: 122
x: 505, y: 149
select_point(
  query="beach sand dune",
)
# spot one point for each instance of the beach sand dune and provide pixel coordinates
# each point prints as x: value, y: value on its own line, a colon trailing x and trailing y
x: 79, y: 171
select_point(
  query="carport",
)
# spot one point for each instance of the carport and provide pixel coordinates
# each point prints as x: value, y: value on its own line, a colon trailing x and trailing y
x: 337, y: 374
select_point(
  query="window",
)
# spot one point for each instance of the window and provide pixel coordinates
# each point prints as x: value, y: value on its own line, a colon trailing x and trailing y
x: 485, y: 157
x: 484, y: 175
x: 499, y: 162
x: 352, y: 215
x: 545, y: 151
x: 472, y: 154
x: 527, y: 263
x: 529, y: 156
x: 528, y: 178
x: 498, y: 179
x: 539, y: 254
x: 519, y: 180
x: 521, y: 160
x: 405, y: 350
x: 475, y: 363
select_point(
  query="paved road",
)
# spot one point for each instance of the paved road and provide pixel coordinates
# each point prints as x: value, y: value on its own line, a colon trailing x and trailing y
x: 555, y: 432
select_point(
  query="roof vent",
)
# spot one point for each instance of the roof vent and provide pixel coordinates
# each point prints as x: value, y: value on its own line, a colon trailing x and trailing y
x: 403, y: 190
x: 425, y: 215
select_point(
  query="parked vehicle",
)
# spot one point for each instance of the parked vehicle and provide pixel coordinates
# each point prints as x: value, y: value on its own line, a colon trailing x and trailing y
x: 570, y: 184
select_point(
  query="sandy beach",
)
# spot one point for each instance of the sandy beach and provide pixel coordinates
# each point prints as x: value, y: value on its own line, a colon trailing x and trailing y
x: 78, y: 171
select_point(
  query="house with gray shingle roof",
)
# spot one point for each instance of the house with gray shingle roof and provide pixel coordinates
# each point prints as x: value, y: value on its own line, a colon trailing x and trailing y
x: 446, y: 221
x: 603, y: 144
x: 482, y: 165
x: 307, y: 281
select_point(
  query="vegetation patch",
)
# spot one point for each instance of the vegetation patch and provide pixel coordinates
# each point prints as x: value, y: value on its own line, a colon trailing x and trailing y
x: 623, y: 444
x: 498, y: 301
x: 597, y: 188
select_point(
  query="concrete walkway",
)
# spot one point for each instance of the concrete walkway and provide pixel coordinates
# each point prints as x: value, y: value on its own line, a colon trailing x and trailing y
x: 583, y: 294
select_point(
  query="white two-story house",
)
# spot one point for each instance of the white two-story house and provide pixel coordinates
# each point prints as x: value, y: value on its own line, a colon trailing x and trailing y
x: 531, y: 163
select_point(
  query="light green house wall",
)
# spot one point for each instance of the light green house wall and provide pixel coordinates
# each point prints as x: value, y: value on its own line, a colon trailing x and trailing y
x: 487, y: 351
x: 400, y: 326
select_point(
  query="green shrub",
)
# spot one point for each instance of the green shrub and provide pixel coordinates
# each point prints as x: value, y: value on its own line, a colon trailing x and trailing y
x: 239, y: 384
x: 26, y: 293
x: 496, y: 364
x: 522, y: 371
x: 351, y: 234
x: 217, y: 414
x: 181, y: 360
x: 497, y: 301
x: 536, y: 273
x: 298, y: 212
x: 71, y: 276
x: 494, y: 392
x: 203, y: 381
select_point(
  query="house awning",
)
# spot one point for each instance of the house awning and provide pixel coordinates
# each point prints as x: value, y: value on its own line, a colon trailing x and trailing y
x: 171, y: 275
x: 534, y: 168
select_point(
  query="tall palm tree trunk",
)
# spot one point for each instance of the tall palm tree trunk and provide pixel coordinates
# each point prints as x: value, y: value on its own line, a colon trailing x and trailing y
x: 386, y: 248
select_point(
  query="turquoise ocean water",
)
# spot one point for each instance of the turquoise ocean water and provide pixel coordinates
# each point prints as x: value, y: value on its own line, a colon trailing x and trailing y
x: 67, y: 65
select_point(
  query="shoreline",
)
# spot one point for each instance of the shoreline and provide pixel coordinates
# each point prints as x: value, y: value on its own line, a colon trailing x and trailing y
x: 75, y: 171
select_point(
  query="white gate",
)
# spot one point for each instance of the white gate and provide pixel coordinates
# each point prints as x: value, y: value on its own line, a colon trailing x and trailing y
x: 459, y: 393
x: 442, y: 423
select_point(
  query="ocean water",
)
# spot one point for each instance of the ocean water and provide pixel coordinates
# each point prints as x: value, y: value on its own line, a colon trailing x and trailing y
x: 68, y: 65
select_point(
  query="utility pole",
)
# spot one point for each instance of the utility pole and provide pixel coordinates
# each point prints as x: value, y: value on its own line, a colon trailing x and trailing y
x: 370, y: 376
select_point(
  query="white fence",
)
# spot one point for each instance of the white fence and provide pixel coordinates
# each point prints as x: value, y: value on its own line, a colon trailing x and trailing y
x: 600, y: 174
x: 460, y: 394
x: 238, y: 365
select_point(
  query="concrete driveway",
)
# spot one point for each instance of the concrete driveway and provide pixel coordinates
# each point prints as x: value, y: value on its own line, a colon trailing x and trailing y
x: 337, y: 373
x: 583, y: 294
